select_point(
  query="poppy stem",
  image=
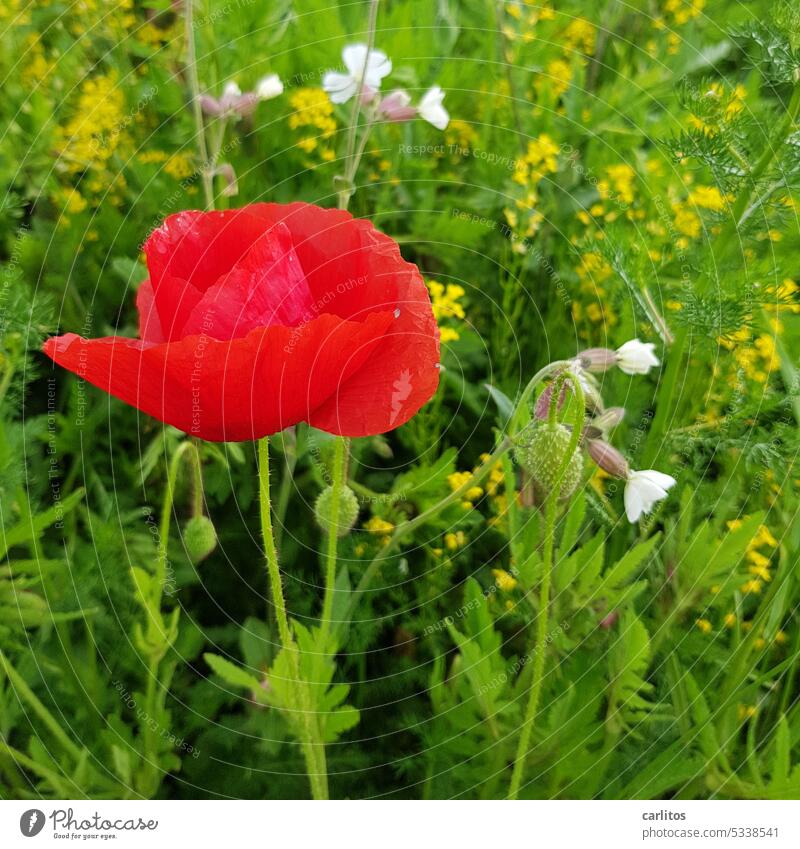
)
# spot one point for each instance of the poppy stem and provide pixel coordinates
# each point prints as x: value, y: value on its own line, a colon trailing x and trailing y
x: 339, y: 463
x: 270, y: 552
x: 313, y: 748
x: 540, y: 645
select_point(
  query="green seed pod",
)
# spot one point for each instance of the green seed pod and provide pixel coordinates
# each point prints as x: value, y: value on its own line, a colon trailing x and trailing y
x: 348, y: 511
x: 199, y: 538
x: 541, y: 451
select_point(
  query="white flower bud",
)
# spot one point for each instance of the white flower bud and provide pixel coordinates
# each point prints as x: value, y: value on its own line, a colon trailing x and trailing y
x: 635, y: 357
x: 643, y: 490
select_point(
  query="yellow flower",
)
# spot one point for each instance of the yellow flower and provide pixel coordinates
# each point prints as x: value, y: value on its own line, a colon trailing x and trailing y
x: 757, y: 559
x: 752, y: 586
x: 707, y: 197
x: 687, y: 221
x: 539, y: 159
x: 747, y: 711
x: 580, y: 35
x: 504, y: 580
x: 179, y: 166
x: 454, y: 541
x: 376, y: 525
x: 730, y: 620
x: 764, y: 537
x: 557, y: 78
x: 704, y: 625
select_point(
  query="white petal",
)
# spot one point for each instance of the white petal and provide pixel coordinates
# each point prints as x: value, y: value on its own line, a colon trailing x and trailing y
x: 633, y: 504
x: 231, y: 90
x: 659, y: 478
x: 339, y: 87
x: 353, y: 57
x: 635, y: 357
x: 643, y: 490
x: 431, y: 109
x: 377, y: 66
x: 269, y: 87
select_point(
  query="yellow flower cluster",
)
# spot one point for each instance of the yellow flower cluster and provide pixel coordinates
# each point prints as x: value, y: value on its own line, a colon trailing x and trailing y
x: 541, y: 158
x: 680, y: 12
x: 457, y: 480
x: 758, y: 562
x: 618, y: 184
x: 94, y: 133
x: 313, y: 111
x: 494, y: 481
x: 379, y: 527
x: 580, y: 35
x: 556, y: 79
x: 505, y: 581
x: 755, y: 356
x: 592, y: 271
x: 727, y: 104
x: 446, y: 305
x: 527, y: 15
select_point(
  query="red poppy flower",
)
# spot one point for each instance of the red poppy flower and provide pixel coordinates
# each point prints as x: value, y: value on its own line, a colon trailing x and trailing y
x: 257, y: 318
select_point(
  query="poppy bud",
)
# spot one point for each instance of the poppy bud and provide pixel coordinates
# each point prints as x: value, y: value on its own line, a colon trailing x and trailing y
x: 597, y: 359
x: 348, y: 511
x: 541, y: 452
x: 608, y: 458
x: 199, y: 538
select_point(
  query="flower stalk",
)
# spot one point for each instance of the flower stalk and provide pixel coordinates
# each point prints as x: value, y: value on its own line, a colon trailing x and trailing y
x: 313, y: 748
x: 539, y: 647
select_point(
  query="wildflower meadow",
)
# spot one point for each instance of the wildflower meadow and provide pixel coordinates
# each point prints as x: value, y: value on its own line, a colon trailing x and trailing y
x: 399, y: 400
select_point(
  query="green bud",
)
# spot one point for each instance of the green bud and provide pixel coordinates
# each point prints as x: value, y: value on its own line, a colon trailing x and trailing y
x: 199, y: 538
x: 541, y: 451
x: 348, y: 510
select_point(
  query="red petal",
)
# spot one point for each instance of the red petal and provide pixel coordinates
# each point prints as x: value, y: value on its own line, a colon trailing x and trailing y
x: 149, y: 323
x: 189, y: 253
x: 233, y: 390
x: 266, y: 287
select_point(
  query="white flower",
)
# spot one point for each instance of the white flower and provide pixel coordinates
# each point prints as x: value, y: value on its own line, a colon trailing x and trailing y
x: 430, y: 108
x: 269, y: 87
x: 636, y: 357
x: 374, y: 67
x: 642, y: 491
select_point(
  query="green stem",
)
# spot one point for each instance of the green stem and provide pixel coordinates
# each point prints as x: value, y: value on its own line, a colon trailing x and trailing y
x: 339, y: 456
x: 313, y: 748
x: 351, y: 166
x: 206, y: 168
x: 516, y: 422
x: 719, y: 248
x: 407, y: 527
x: 157, y: 632
x: 539, y: 648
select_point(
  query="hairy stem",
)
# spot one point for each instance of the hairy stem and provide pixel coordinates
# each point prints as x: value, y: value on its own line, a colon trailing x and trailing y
x: 540, y: 646
x: 339, y: 460
x: 313, y: 748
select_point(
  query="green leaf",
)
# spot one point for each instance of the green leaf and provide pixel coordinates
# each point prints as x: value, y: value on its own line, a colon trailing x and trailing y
x: 231, y: 673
